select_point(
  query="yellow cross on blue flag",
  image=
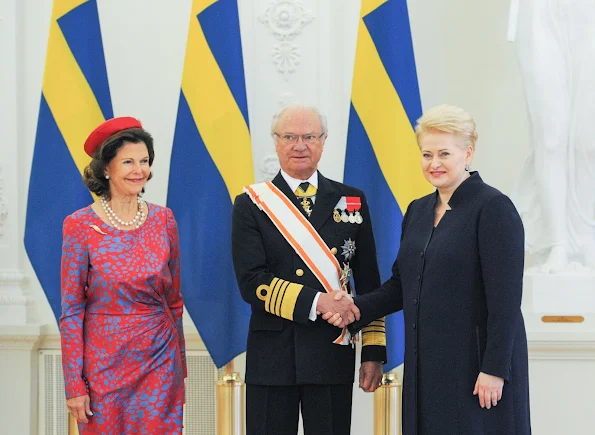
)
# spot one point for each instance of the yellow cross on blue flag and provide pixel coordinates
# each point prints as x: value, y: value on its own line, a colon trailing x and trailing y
x: 75, y: 98
x: 211, y: 161
x: 382, y: 156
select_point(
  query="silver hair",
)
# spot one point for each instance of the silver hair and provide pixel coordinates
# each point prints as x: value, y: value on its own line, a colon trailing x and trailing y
x: 293, y: 106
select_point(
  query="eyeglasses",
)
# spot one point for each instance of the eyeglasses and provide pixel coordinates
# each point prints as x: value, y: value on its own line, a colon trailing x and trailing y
x: 292, y: 139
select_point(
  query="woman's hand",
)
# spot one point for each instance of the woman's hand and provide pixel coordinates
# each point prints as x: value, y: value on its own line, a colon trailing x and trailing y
x: 370, y: 375
x: 80, y: 408
x: 489, y: 390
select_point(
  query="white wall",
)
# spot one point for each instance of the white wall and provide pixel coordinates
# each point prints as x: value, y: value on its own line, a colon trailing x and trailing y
x: 462, y: 58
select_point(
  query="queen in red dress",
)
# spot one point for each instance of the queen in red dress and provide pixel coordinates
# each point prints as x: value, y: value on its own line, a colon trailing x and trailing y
x: 123, y: 351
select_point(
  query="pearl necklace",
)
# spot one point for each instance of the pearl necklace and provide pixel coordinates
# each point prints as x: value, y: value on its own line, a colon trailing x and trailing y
x: 113, y: 218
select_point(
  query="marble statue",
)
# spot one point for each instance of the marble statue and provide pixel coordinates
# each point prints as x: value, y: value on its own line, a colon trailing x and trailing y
x: 555, y: 195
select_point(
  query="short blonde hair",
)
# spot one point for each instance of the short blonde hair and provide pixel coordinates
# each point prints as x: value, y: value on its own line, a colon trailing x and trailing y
x: 448, y: 119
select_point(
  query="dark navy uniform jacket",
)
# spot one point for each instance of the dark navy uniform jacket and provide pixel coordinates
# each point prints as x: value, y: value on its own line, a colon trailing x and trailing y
x: 284, y: 346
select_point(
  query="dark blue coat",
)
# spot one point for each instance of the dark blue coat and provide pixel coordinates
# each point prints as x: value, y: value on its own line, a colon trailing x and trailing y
x: 460, y: 288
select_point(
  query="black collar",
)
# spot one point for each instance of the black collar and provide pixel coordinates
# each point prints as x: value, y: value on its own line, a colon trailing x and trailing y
x: 464, y: 192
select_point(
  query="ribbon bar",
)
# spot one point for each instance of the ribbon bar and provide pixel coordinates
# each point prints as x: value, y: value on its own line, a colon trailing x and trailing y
x: 354, y: 203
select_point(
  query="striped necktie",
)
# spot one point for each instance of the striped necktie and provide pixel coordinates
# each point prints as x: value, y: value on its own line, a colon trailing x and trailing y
x: 306, y: 191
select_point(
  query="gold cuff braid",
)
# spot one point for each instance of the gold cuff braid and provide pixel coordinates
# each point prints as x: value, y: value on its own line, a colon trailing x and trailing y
x: 374, y: 334
x: 279, y: 297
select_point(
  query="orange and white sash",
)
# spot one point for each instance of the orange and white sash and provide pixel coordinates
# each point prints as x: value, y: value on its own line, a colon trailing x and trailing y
x: 302, y: 237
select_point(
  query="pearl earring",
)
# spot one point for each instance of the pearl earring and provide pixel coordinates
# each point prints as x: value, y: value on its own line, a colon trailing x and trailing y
x: 467, y: 168
x: 107, y: 177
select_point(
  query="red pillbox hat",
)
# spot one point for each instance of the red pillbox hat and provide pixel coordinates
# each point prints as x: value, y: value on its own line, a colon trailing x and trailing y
x: 107, y: 129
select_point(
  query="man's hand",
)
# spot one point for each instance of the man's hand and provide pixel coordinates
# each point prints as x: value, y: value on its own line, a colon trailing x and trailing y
x: 489, y: 390
x: 370, y: 376
x: 338, y: 308
x: 80, y: 408
x: 335, y: 318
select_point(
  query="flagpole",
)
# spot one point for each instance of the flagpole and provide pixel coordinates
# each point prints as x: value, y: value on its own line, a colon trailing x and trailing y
x: 228, y: 368
x: 230, y: 402
x: 72, y: 425
x: 387, y: 406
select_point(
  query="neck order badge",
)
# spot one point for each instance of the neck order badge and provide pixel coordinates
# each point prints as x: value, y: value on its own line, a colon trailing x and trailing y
x: 306, y: 191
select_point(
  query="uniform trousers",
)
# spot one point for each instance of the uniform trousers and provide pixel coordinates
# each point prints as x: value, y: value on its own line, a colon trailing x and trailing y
x: 273, y: 410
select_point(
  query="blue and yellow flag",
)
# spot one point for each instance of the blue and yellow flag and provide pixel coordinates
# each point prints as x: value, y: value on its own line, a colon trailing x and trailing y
x: 211, y: 161
x: 382, y: 156
x: 75, y: 99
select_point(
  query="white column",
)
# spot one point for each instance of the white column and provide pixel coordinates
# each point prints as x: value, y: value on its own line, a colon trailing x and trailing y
x: 18, y: 378
x: 13, y: 302
x: 18, y: 341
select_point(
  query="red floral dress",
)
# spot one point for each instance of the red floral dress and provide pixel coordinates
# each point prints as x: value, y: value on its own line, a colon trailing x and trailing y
x: 121, y: 323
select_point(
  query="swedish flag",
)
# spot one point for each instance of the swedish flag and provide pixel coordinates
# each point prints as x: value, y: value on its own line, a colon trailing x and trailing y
x: 211, y: 161
x: 75, y: 98
x: 382, y: 156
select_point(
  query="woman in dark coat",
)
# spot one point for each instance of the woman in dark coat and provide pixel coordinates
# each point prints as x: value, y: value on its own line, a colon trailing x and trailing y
x: 458, y: 279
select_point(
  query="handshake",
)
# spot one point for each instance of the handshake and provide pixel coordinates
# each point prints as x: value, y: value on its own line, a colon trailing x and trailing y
x: 337, y: 308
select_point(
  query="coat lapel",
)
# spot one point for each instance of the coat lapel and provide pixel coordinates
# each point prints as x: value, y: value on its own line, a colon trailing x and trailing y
x: 430, y: 211
x: 422, y: 225
x: 326, y: 199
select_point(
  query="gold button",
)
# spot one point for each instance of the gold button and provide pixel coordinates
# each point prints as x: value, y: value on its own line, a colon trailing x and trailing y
x: 299, y: 272
x: 334, y: 251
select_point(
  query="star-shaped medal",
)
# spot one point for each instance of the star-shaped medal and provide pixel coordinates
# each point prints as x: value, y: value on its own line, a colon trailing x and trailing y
x: 348, y: 249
